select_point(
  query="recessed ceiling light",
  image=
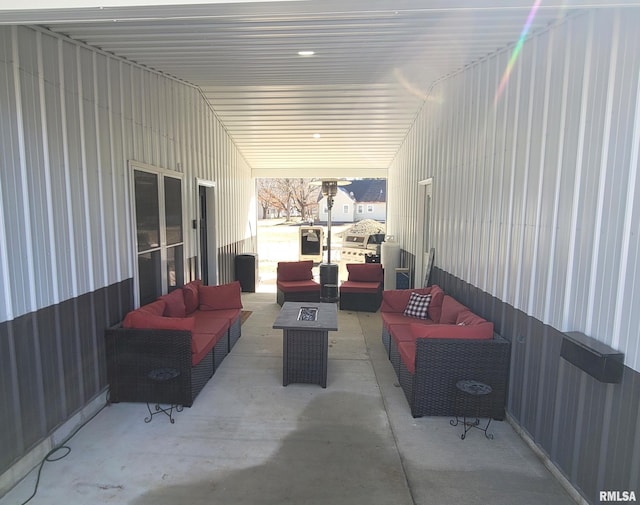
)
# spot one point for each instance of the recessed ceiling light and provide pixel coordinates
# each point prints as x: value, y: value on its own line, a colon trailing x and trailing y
x: 316, y: 135
x: 306, y: 53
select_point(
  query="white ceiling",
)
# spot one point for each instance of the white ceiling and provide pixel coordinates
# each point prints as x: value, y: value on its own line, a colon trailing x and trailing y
x: 374, y: 63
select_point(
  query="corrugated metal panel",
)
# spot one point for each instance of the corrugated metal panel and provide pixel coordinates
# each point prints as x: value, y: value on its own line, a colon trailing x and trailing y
x: 372, y: 67
x: 74, y: 116
x: 534, y: 189
x: 71, y: 119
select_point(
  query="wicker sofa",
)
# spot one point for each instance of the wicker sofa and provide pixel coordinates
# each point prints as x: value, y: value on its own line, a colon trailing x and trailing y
x: 431, y: 355
x: 166, y: 351
x: 294, y: 282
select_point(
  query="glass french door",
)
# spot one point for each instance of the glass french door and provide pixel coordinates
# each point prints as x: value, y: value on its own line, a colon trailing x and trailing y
x: 159, y: 231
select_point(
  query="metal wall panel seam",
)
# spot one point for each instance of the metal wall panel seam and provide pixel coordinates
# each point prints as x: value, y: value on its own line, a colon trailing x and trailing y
x: 628, y: 228
x: 85, y: 186
x: 115, y: 207
x: 559, y: 171
x: 67, y: 175
x: 533, y: 287
x: 568, y: 298
x: 518, y: 301
x: 512, y: 182
x: 125, y: 178
x: 500, y: 244
x: 4, y: 261
x: 29, y: 263
x: 47, y: 170
x: 604, y: 155
x: 103, y: 234
x: 577, y: 434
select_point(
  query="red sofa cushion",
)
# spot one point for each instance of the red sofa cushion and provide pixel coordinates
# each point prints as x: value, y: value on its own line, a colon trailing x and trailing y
x: 175, y: 304
x: 229, y: 314
x: 468, y: 318
x: 223, y: 296
x: 208, y: 330
x: 481, y: 331
x: 144, y: 320
x: 156, y: 308
x: 402, y: 332
x: 395, y: 300
x: 360, y: 287
x: 297, y: 286
x: 365, y: 272
x: 450, y: 310
x: 407, y: 352
x: 191, y: 297
x: 294, y: 270
x: 390, y: 318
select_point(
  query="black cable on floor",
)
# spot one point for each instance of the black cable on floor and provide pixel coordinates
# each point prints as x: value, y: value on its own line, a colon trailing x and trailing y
x: 49, y: 456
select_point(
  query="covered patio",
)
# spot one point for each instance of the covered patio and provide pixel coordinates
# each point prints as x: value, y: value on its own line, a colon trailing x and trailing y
x: 248, y: 440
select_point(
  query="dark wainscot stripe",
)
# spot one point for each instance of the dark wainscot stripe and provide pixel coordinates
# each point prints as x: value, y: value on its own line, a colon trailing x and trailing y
x: 52, y: 364
x: 586, y: 427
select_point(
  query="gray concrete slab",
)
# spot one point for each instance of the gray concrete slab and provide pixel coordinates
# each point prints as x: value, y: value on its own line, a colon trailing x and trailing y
x: 249, y: 440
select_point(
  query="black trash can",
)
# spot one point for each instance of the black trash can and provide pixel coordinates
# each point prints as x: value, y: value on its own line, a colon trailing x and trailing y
x: 247, y: 271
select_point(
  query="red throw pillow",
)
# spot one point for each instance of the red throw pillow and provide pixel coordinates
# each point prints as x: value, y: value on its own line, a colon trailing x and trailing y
x: 365, y: 272
x: 295, y: 270
x: 224, y: 296
x: 191, y: 296
x: 143, y: 320
x: 435, y: 307
x: 175, y: 304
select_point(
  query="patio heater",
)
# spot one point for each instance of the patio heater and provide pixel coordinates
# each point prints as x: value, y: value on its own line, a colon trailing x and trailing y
x: 328, y: 270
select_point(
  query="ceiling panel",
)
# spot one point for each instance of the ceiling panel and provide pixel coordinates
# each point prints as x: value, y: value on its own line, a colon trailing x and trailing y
x: 373, y: 66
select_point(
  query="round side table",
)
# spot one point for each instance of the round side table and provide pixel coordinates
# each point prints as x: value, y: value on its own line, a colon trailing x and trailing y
x: 470, y: 393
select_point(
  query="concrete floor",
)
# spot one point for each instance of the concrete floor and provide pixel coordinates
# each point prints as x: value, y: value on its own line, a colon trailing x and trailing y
x: 249, y: 440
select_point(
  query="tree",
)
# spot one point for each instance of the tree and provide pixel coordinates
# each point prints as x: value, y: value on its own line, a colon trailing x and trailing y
x: 286, y: 195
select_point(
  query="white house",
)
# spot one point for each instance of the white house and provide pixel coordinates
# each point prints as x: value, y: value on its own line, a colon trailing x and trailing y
x: 362, y: 199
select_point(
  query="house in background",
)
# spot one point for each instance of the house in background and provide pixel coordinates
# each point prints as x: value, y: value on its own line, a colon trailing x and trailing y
x: 362, y: 199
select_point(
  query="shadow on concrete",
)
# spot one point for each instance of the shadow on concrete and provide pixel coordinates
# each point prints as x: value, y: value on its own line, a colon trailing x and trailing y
x: 342, y: 453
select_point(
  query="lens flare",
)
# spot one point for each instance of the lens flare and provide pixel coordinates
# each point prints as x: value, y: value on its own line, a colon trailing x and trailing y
x: 517, y: 49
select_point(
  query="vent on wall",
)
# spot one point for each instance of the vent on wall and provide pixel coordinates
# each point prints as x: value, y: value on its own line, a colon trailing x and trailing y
x: 594, y: 357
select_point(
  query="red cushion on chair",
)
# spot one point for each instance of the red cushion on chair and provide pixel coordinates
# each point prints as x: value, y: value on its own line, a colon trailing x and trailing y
x: 360, y: 287
x: 191, y: 297
x: 298, y: 286
x: 365, y: 272
x: 144, y: 320
x: 223, y: 296
x: 175, y: 304
x: 295, y: 270
x: 156, y: 308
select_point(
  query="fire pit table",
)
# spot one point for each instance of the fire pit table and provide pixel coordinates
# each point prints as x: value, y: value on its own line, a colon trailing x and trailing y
x: 305, y: 340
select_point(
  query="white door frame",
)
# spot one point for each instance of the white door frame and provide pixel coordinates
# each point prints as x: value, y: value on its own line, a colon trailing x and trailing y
x: 212, y: 246
x: 423, y: 242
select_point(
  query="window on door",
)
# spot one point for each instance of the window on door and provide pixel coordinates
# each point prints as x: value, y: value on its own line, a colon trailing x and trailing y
x: 159, y: 232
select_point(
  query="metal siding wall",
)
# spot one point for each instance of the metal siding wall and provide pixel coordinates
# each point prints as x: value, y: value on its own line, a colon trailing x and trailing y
x: 532, y: 189
x: 72, y: 117
x: 535, y: 214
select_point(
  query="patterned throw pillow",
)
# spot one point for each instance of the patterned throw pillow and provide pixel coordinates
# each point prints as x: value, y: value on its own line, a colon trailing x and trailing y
x: 417, y: 306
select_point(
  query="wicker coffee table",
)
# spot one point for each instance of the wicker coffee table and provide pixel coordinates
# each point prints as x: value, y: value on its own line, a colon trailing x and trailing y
x: 305, y: 340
